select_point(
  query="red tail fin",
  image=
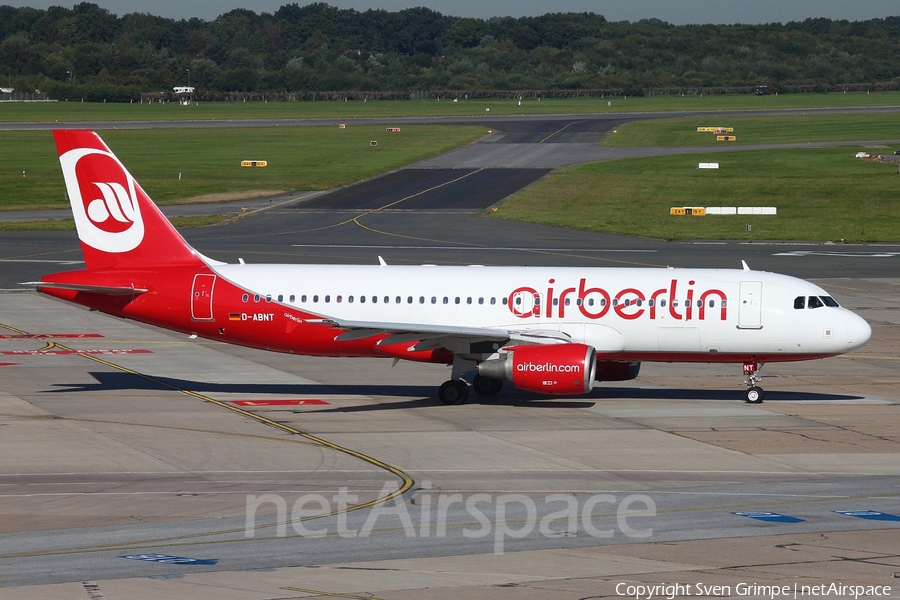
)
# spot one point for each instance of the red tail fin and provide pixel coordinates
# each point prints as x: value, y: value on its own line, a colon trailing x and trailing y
x: 117, y: 222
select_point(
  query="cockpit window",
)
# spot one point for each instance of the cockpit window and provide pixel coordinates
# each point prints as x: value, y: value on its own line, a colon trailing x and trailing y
x: 829, y: 301
x: 814, y: 302
x: 800, y: 302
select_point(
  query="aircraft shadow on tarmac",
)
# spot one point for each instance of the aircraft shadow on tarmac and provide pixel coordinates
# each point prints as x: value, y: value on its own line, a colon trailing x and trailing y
x: 419, y: 395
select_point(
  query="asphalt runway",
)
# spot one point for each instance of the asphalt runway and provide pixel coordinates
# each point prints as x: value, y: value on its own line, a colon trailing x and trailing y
x: 132, y: 459
x: 416, y: 189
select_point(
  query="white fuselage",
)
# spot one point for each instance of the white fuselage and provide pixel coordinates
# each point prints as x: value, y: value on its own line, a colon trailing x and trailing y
x: 697, y: 312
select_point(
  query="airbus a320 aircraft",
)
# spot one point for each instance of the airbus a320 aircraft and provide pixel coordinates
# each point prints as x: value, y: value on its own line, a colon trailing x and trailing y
x: 549, y: 330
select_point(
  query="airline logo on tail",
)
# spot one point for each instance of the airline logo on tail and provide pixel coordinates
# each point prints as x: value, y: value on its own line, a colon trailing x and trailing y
x: 104, y: 200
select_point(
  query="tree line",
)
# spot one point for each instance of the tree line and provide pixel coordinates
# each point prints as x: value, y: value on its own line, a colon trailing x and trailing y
x: 317, y: 50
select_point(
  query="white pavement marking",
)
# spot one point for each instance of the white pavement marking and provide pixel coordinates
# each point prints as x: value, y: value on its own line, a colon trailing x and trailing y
x: 838, y: 254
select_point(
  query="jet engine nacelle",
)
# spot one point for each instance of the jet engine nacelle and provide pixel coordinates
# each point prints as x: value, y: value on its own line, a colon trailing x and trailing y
x: 611, y: 370
x: 551, y: 369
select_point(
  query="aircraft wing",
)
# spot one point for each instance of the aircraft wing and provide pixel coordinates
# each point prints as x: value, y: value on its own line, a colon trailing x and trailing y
x: 452, y: 337
x: 363, y: 329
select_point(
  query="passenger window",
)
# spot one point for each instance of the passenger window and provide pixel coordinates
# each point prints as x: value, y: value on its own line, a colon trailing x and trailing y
x: 362, y: 299
x: 446, y: 300
x: 303, y: 298
x: 651, y: 302
x: 280, y: 298
x: 556, y: 302
x: 724, y: 303
x: 568, y: 302
x: 615, y: 301
x: 675, y: 303
x: 505, y: 300
x: 268, y: 297
x: 578, y: 302
x: 316, y: 298
x: 662, y: 303
x: 350, y: 299
x: 292, y: 298
x: 456, y: 301
x: 468, y: 301
x: 712, y: 303
x: 494, y: 301
x: 421, y: 299
x: 481, y: 301
x: 434, y: 299
x: 328, y: 299
x: 814, y: 302
x: 800, y: 302
x: 409, y: 299
x: 602, y: 301
x: 829, y: 301
x: 245, y: 297
x: 537, y: 300
x: 338, y: 299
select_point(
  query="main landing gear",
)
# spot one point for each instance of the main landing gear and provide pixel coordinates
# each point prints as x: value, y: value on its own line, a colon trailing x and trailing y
x: 456, y: 391
x: 754, y: 393
x: 487, y: 386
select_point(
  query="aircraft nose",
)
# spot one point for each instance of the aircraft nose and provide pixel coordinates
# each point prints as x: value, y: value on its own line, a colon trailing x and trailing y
x: 858, y: 331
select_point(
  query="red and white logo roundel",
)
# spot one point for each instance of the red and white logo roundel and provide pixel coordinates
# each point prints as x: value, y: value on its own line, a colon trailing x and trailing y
x: 104, y: 200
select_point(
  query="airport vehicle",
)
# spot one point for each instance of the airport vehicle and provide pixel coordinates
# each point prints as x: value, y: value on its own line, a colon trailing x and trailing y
x: 549, y: 330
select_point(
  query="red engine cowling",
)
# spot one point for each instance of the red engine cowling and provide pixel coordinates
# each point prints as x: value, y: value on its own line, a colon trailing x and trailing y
x: 552, y: 369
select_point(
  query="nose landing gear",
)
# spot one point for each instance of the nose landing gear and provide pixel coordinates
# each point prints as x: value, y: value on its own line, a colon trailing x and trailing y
x: 754, y: 393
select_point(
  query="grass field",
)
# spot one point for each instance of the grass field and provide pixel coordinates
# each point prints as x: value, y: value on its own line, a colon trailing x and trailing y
x: 820, y: 194
x: 79, y: 111
x: 208, y: 160
x: 759, y: 130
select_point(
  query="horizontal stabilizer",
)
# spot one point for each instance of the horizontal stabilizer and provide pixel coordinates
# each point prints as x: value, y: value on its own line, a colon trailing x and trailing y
x: 109, y: 290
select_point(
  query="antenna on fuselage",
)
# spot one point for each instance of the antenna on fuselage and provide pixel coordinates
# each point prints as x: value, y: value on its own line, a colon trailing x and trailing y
x: 744, y: 264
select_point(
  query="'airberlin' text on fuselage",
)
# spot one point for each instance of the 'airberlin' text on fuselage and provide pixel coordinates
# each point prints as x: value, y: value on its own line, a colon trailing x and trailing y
x: 629, y: 303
